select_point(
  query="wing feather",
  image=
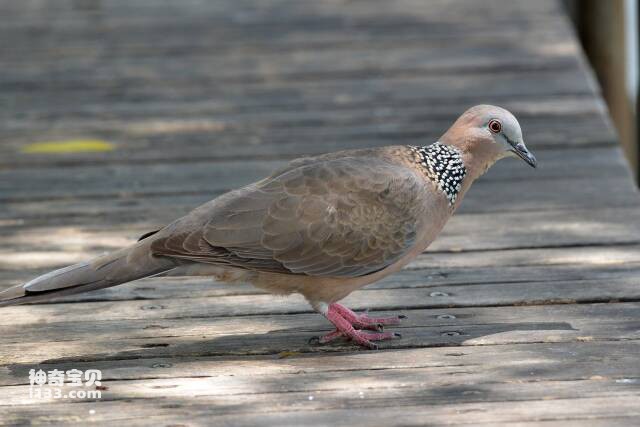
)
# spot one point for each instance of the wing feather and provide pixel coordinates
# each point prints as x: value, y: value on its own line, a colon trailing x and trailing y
x: 340, y: 217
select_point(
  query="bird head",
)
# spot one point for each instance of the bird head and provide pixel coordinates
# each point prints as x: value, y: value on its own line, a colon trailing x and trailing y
x: 485, y: 134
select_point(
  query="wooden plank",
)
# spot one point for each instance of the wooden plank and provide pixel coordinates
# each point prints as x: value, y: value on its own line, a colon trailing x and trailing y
x: 427, y: 57
x: 480, y: 295
x: 304, y: 80
x: 544, y: 362
x: 419, y: 274
x: 128, y: 209
x: 434, y: 268
x: 429, y: 269
x: 215, y: 140
x: 217, y: 24
x: 487, y: 195
x: 54, y: 245
x: 572, y: 412
x: 470, y: 374
x: 414, y: 53
x: 576, y: 409
x: 205, y: 176
x: 341, y: 116
x: 363, y: 88
x: 341, y: 107
x: 425, y: 271
x: 144, y: 338
x: 40, y: 10
x: 335, y: 391
x: 517, y: 283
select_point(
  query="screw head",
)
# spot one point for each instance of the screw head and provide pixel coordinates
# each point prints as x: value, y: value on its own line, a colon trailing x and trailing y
x: 445, y: 316
x: 152, y: 307
x: 438, y: 294
x: 162, y: 365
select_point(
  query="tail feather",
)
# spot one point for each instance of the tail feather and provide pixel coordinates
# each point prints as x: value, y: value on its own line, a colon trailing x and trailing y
x: 126, y: 265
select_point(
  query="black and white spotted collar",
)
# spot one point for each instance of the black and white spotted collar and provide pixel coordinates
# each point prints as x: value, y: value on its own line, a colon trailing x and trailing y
x: 443, y: 165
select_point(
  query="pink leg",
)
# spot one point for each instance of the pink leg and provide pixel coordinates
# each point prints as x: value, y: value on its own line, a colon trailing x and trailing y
x: 363, y: 321
x: 344, y: 327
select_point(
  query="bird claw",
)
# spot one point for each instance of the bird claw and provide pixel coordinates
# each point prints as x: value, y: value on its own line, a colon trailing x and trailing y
x: 352, y: 326
x: 377, y: 327
x: 363, y: 320
x: 383, y: 321
x: 365, y: 339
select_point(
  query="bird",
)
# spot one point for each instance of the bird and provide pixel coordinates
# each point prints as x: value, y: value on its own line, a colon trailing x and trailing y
x: 322, y: 226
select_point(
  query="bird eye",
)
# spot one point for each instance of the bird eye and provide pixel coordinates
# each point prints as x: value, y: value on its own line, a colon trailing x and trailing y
x: 495, y: 126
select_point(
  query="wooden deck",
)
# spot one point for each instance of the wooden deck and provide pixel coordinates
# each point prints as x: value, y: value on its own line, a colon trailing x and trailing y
x: 525, y: 311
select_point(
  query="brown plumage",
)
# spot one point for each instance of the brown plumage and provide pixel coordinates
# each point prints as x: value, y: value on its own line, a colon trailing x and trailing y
x: 321, y: 226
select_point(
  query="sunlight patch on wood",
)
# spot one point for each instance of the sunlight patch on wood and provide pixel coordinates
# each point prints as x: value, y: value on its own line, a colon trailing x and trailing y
x: 11, y: 261
x: 68, y: 146
x: 69, y: 238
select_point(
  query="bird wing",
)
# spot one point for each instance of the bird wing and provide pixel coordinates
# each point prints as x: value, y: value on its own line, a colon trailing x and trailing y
x: 343, y: 217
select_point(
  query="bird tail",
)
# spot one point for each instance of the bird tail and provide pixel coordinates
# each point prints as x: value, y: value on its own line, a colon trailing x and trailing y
x: 125, y: 265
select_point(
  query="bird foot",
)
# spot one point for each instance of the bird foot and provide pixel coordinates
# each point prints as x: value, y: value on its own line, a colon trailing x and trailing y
x: 363, y: 321
x: 365, y: 339
x: 348, y: 324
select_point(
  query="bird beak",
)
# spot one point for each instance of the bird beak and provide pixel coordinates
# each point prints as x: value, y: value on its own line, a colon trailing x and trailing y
x: 521, y: 151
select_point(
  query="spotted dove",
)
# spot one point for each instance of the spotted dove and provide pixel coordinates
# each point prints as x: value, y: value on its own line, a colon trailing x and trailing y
x: 321, y: 226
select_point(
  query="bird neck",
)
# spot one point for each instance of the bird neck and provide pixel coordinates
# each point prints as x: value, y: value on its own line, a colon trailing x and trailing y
x: 467, y: 162
x: 443, y: 164
x: 476, y: 162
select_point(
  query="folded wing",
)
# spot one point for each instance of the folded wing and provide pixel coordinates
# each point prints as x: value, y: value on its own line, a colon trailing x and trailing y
x: 343, y: 217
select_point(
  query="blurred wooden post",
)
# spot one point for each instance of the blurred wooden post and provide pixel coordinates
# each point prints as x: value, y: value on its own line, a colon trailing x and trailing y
x: 601, y: 25
x: 637, y: 103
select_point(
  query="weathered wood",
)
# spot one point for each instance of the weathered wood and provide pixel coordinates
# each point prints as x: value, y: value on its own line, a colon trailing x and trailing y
x: 480, y: 295
x: 54, y: 245
x: 262, y: 335
x: 596, y: 411
x: 424, y: 272
x: 213, y: 137
x: 594, y: 368
x: 448, y: 264
x: 295, y: 64
x: 524, y: 312
x: 572, y: 412
x: 189, y: 116
x: 339, y: 392
x: 486, y: 196
x: 545, y: 361
x: 206, y: 176
x: 603, y: 31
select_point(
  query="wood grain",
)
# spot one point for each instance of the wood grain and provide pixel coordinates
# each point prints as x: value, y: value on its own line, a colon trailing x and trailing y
x: 524, y: 312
